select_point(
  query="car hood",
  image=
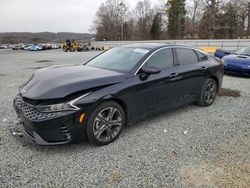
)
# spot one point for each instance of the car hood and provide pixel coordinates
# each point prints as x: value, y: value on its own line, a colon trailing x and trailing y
x: 240, y: 60
x: 60, y: 81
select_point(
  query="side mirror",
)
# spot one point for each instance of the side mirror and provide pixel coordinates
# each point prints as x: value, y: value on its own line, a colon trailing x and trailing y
x: 147, y: 71
x: 151, y: 70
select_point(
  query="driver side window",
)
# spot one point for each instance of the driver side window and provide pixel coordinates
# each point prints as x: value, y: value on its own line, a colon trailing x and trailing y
x: 162, y: 59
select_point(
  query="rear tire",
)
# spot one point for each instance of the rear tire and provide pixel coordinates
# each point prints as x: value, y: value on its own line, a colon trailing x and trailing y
x: 105, y: 123
x: 208, y: 93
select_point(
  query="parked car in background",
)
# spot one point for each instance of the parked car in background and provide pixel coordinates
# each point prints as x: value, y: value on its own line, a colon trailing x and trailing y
x: 87, y: 47
x: 34, y: 47
x: 4, y: 47
x: 219, y: 53
x: 63, y: 104
x: 55, y: 46
x: 238, y: 62
x: 46, y: 46
x: 18, y: 47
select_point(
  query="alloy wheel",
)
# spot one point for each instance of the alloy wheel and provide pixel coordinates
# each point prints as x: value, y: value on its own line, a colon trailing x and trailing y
x: 107, y: 124
x: 210, y: 92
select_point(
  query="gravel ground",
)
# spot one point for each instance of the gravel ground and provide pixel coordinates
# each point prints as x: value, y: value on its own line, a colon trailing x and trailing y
x: 187, y: 147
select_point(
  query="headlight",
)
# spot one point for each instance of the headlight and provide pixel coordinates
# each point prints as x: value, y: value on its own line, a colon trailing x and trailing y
x: 69, y: 106
x: 248, y: 66
x: 56, y: 107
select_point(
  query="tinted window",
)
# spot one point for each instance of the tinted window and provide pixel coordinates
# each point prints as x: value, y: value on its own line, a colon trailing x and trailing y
x: 202, y: 56
x: 186, y: 56
x: 161, y: 59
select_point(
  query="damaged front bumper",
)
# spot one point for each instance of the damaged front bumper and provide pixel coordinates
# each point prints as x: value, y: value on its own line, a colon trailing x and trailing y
x: 45, y: 128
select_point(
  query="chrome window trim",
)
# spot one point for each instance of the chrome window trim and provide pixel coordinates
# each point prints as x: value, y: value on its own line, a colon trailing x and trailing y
x: 173, y: 47
x: 149, y: 58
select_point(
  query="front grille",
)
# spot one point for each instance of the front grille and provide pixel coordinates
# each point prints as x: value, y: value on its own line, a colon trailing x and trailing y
x: 30, y: 111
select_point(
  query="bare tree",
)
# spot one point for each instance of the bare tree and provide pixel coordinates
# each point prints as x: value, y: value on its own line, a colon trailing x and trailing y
x: 208, y: 18
x: 122, y: 9
x: 110, y: 19
x: 144, y: 17
x: 208, y: 25
x: 248, y: 21
x: 242, y: 11
x: 194, y: 10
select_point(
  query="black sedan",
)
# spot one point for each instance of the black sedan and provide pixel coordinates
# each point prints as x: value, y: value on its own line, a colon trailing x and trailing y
x: 64, y: 104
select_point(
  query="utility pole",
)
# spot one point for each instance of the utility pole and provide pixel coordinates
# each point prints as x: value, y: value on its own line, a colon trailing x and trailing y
x: 122, y: 9
x: 248, y: 22
x: 122, y: 27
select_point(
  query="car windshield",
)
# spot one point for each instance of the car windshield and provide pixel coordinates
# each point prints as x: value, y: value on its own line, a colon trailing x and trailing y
x: 243, y: 51
x: 120, y: 59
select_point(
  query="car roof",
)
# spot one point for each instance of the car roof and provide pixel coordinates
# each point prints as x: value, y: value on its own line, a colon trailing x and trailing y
x: 150, y: 45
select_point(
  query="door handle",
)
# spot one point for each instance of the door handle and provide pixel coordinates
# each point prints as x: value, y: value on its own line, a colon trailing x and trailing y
x: 172, y: 75
x: 203, y: 68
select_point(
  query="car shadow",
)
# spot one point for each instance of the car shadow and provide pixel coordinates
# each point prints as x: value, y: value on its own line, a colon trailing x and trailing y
x: 236, y: 76
x: 166, y: 114
x: 86, y: 146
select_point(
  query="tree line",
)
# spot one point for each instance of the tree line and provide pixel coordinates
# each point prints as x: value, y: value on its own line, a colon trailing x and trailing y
x: 173, y: 19
x: 41, y: 37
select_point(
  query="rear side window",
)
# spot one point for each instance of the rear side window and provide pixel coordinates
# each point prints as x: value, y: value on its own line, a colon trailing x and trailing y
x: 162, y: 59
x: 202, y: 56
x: 186, y: 56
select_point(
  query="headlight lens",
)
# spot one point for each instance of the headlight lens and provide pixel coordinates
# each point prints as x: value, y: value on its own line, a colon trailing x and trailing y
x: 56, y: 107
x: 69, y: 106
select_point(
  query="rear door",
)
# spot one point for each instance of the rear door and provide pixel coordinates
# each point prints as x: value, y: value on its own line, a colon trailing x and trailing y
x: 192, y: 69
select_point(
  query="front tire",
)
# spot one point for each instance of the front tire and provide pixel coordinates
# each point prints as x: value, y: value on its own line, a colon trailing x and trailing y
x: 105, y: 123
x: 208, y: 93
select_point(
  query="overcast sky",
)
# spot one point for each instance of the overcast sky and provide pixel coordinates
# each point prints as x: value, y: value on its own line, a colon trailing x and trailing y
x: 49, y: 15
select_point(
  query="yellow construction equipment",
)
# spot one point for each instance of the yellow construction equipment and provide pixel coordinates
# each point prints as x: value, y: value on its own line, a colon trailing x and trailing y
x: 71, y: 46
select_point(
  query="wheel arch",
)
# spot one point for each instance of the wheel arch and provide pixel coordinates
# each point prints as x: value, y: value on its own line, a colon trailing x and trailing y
x: 123, y: 105
x: 118, y: 101
x: 217, y: 82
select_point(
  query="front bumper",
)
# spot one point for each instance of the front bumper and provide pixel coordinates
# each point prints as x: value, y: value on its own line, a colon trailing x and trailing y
x: 48, y: 128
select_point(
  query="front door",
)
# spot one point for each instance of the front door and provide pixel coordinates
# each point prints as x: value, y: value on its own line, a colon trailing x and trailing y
x: 157, y: 90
